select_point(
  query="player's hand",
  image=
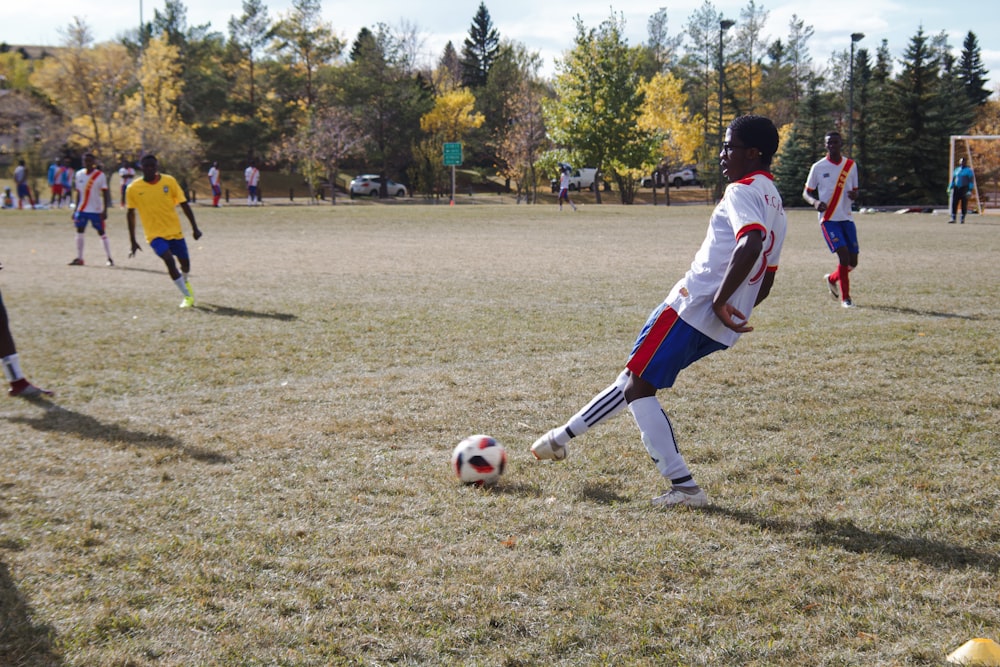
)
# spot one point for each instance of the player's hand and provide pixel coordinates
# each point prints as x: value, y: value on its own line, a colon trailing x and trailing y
x: 197, y: 234
x: 732, y: 318
x: 821, y: 206
x: 135, y: 247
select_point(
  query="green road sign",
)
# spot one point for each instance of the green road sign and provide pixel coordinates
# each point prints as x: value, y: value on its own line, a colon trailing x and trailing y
x: 452, y: 154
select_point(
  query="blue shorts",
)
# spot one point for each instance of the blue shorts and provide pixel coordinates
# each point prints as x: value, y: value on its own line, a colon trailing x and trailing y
x: 81, y: 220
x: 177, y: 247
x: 666, y: 346
x: 23, y: 191
x: 252, y: 191
x: 216, y: 190
x: 841, y: 234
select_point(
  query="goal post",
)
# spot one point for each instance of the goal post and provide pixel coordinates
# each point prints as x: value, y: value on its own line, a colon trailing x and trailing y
x: 961, y: 146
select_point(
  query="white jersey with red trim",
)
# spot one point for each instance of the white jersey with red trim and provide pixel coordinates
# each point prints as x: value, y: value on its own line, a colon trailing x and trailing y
x: 823, y: 178
x: 752, y: 203
x: 91, y: 186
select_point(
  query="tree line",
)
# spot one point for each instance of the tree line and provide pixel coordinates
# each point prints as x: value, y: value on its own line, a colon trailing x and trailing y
x: 287, y: 92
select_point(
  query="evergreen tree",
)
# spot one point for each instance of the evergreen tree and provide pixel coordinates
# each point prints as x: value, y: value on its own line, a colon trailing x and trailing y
x: 791, y: 168
x: 879, y: 183
x: 921, y: 148
x: 451, y: 64
x: 971, y: 71
x: 479, y: 49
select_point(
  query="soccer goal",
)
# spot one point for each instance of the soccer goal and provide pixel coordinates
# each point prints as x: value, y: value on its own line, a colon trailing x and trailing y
x: 970, y: 146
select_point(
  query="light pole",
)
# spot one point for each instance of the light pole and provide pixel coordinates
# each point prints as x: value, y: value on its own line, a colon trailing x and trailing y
x: 724, y: 25
x: 855, y: 38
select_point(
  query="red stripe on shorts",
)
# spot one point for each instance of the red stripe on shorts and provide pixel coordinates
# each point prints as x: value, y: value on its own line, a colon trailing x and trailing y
x: 647, y: 349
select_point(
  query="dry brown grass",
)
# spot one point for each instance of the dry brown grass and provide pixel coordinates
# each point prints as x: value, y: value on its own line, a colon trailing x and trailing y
x: 264, y: 480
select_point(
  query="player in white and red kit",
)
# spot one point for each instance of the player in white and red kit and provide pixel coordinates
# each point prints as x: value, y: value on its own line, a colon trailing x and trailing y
x: 92, y: 204
x: 831, y: 188
x: 706, y: 311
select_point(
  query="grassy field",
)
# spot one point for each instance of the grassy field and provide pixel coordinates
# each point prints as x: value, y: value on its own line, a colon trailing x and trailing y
x: 264, y: 480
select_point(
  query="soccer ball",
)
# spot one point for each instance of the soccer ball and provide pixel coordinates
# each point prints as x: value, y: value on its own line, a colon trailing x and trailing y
x: 479, y: 460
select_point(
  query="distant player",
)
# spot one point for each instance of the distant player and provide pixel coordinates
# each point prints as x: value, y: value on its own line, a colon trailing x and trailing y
x: 155, y: 196
x: 252, y: 177
x: 66, y: 177
x: 215, y: 183
x: 92, y: 204
x: 126, y: 172
x: 564, y: 188
x: 831, y: 188
x: 963, y: 181
x: 21, y: 183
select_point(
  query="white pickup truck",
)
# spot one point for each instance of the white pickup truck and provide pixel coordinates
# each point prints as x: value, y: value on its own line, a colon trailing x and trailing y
x: 579, y: 179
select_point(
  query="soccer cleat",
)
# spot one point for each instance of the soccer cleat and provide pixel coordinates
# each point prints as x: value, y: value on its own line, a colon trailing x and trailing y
x: 187, y: 285
x: 76, y: 262
x: 188, y: 302
x: 832, y: 286
x: 110, y: 262
x: 847, y: 303
x: 24, y: 389
x: 546, y: 447
x: 675, y: 497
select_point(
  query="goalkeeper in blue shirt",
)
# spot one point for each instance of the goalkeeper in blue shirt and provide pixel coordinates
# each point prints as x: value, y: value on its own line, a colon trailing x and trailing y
x: 962, y: 182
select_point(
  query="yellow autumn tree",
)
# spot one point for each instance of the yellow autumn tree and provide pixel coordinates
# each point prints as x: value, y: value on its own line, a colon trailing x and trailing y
x: 152, y: 114
x: 665, y: 113
x: 87, y: 84
x: 453, y: 115
x: 451, y: 119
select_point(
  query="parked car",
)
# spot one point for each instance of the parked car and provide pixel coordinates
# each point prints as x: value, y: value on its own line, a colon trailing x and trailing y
x: 685, y: 176
x: 579, y: 179
x: 370, y: 185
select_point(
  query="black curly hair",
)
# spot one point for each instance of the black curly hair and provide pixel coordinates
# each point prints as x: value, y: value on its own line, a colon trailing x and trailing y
x: 757, y: 132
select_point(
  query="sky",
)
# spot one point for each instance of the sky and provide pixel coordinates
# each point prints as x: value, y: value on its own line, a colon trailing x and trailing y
x: 548, y: 27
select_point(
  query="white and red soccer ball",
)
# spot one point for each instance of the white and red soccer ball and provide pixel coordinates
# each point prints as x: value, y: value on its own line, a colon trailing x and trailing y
x: 479, y: 460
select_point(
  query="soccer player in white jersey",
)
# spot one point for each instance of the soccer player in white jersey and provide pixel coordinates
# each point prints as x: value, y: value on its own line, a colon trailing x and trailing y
x: 92, y: 203
x: 831, y: 188
x: 706, y: 311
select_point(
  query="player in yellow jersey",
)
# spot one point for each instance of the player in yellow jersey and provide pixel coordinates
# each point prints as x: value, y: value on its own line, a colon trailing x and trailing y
x: 156, y: 197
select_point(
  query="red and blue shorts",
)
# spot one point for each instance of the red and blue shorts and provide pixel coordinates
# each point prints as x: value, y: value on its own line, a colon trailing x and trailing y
x: 666, y: 346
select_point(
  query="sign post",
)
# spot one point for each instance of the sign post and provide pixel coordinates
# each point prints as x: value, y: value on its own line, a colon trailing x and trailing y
x: 452, y: 158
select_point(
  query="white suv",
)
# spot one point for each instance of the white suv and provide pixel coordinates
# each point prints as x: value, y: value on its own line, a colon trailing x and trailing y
x: 685, y: 176
x: 368, y: 184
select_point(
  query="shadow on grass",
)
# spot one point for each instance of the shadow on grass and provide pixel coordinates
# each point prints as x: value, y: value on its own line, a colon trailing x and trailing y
x: 921, y: 313
x: 845, y: 535
x: 226, y: 311
x: 57, y: 419
x: 21, y: 641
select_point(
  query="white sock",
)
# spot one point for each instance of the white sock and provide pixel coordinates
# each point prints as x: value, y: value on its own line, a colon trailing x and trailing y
x: 12, y: 368
x: 181, y: 286
x: 658, y: 437
x: 602, y: 407
x: 107, y: 246
x: 79, y: 245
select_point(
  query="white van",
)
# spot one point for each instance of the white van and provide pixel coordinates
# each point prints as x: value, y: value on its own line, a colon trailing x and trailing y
x: 579, y: 179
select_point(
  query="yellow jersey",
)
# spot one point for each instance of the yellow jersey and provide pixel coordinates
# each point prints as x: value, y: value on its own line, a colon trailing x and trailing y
x: 156, y: 204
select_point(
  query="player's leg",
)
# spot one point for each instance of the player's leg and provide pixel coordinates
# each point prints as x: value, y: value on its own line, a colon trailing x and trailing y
x: 667, y: 346
x: 179, y: 249
x: 99, y: 227
x: 604, y: 406
x: 80, y: 222
x: 19, y: 385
